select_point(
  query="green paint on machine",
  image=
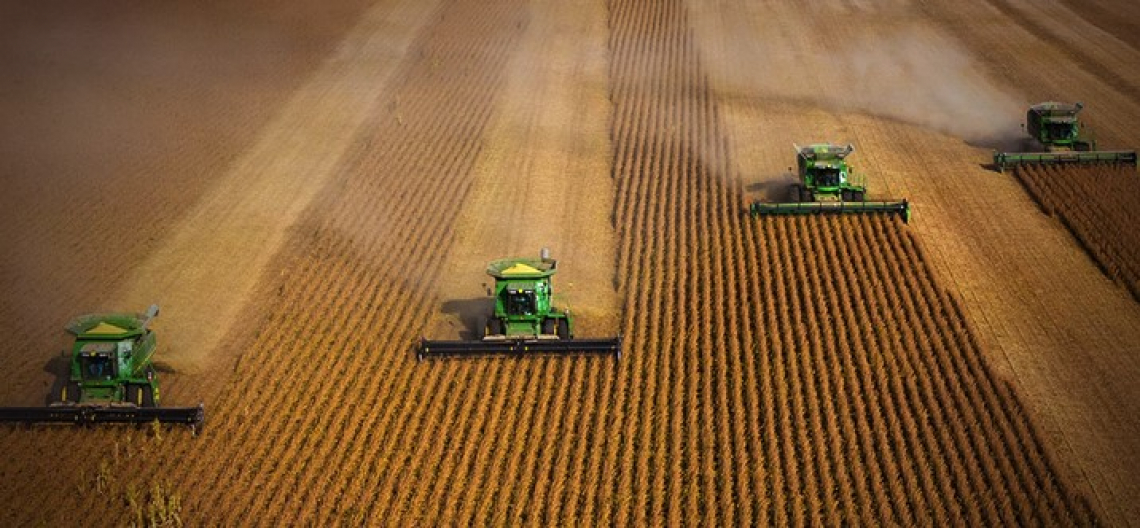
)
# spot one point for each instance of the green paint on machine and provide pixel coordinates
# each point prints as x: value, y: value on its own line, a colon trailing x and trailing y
x: 525, y: 319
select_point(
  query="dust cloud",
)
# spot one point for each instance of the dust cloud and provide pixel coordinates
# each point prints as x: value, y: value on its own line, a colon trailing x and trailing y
x: 118, y: 122
x: 924, y: 79
x: 901, y: 70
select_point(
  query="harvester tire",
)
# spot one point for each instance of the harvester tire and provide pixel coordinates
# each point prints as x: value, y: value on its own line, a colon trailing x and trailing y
x: 797, y: 192
x: 134, y: 394
x: 549, y: 327
x: 857, y: 196
x: 70, y: 392
x: 147, y: 398
x: 564, y: 329
x: 494, y: 327
x: 845, y: 195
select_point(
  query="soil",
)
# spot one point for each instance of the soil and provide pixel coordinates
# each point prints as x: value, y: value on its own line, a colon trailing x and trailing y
x: 307, y: 191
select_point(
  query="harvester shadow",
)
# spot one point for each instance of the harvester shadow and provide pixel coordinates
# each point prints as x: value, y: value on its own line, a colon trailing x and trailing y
x: 772, y: 189
x: 1001, y: 144
x: 1009, y: 143
x: 762, y: 186
x: 58, y: 366
x: 472, y: 315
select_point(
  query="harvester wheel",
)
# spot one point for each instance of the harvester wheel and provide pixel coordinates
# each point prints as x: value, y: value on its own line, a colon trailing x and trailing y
x: 549, y: 327
x: 70, y: 392
x: 134, y: 394
x: 146, y: 399
x: 797, y: 192
x: 857, y: 196
x: 809, y: 196
x: 845, y: 195
x: 494, y: 327
x: 563, y: 329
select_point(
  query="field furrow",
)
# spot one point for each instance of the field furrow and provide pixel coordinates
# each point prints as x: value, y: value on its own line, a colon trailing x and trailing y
x: 1096, y: 203
x: 775, y: 370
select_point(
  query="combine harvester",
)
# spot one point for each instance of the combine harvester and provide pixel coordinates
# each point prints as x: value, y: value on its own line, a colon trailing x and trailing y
x: 1055, y: 129
x: 524, y: 320
x: 828, y: 186
x: 112, y: 379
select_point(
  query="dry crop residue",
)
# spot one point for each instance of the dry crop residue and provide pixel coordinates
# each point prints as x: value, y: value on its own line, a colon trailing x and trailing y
x: 778, y: 370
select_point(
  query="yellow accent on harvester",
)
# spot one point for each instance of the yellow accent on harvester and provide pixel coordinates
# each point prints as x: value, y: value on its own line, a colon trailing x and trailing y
x: 105, y: 328
x: 520, y: 269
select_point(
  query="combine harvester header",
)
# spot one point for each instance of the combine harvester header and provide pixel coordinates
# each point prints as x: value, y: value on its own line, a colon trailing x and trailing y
x: 111, y: 378
x: 828, y: 185
x: 524, y: 320
x: 1055, y: 129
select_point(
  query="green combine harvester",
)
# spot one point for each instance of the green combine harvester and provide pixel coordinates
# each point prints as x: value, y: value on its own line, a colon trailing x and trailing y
x: 111, y: 378
x: 828, y: 186
x: 524, y: 320
x: 1055, y: 129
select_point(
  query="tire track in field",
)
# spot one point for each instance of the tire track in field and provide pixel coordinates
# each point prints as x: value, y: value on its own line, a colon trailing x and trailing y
x: 1091, y: 62
x: 1120, y: 19
x: 1043, y: 64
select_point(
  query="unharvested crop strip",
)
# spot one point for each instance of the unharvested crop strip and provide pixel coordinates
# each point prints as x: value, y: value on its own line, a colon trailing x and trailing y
x: 1095, y: 203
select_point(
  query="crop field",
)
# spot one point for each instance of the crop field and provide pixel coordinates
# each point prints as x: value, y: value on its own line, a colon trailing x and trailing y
x: 314, y: 189
x: 1096, y: 203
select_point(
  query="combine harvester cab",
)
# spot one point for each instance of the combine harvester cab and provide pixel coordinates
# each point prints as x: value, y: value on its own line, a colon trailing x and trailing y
x: 827, y: 186
x: 524, y: 320
x: 1055, y: 129
x: 111, y: 378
